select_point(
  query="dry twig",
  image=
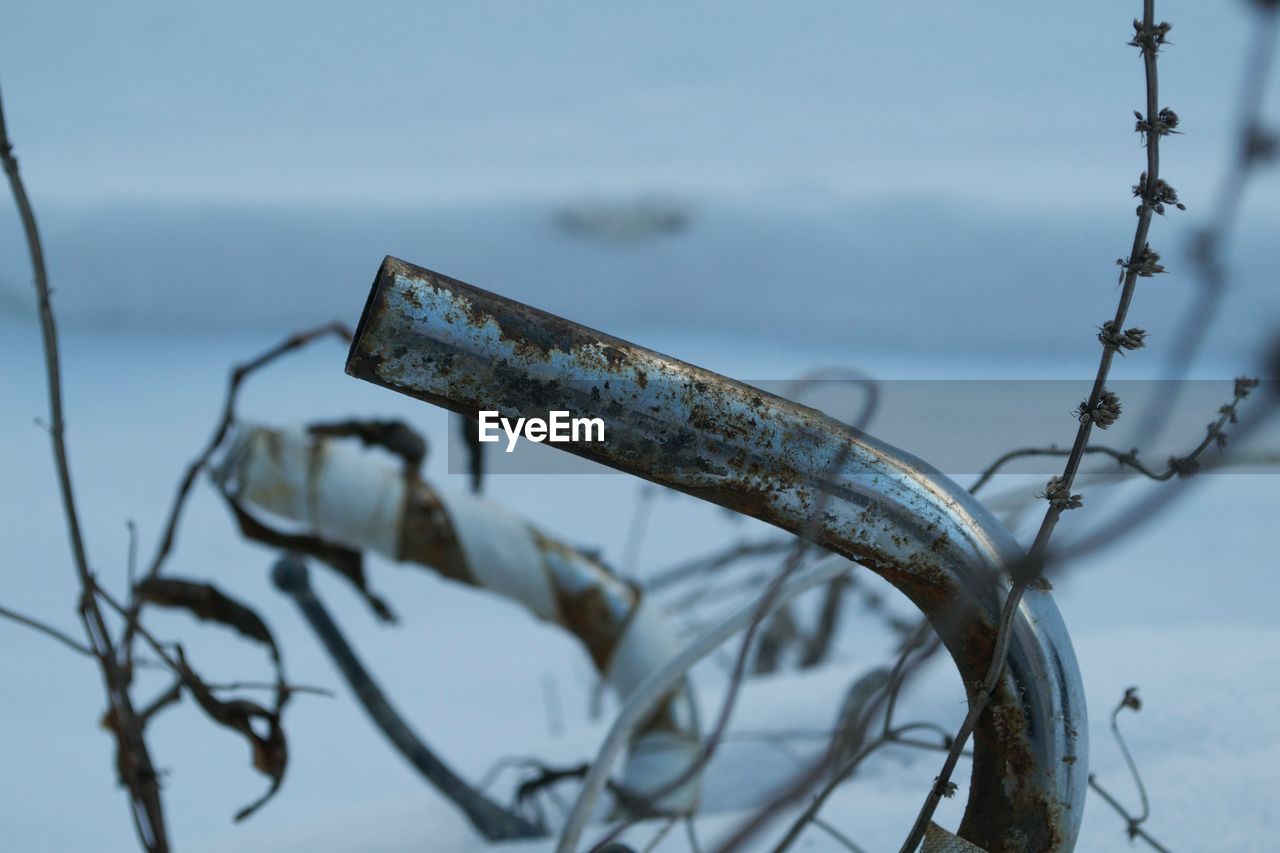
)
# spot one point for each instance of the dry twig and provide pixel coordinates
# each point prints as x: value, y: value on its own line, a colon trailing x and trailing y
x: 134, y: 760
x: 1100, y: 409
x: 1133, y: 823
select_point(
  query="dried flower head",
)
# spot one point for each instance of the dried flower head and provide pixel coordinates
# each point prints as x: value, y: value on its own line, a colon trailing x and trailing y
x: 1165, y: 122
x: 1146, y: 265
x: 1245, y: 384
x: 1183, y: 466
x: 1060, y: 497
x: 1104, y: 414
x: 1150, y: 38
x: 1157, y: 195
x: 1133, y: 338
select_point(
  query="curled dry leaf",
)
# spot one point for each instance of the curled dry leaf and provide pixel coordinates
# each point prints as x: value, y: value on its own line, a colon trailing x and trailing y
x: 394, y: 436
x: 348, y: 563
x: 205, y: 602
x: 270, y: 751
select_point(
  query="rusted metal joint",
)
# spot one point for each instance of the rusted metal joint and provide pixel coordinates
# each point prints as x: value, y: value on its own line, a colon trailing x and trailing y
x: 457, y: 346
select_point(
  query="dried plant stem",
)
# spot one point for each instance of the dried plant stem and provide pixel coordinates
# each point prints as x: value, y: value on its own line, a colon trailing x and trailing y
x: 645, y: 699
x: 1130, y: 700
x: 1183, y: 466
x: 818, y: 646
x: 135, y: 761
x: 1150, y: 202
x: 837, y: 835
x: 1252, y: 148
x: 717, y: 561
x: 765, y: 604
x: 48, y: 630
x: 1134, y: 830
x: 843, y: 772
x: 239, y: 374
x: 831, y: 766
x: 80, y: 648
x: 1140, y: 263
x: 1134, y: 822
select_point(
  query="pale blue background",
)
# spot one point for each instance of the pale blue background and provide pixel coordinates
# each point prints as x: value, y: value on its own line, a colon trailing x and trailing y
x: 920, y: 190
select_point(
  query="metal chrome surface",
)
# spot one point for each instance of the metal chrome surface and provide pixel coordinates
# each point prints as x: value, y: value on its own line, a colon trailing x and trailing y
x: 466, y: 349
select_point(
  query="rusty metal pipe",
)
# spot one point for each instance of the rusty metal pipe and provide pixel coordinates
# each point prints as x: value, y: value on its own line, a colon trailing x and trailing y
x: 457, y: 346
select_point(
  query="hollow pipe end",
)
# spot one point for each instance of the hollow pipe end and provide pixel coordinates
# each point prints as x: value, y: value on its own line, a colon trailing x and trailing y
x: 361, y: 363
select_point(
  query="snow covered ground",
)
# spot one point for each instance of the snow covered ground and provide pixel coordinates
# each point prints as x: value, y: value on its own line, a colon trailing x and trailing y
x: 213, y: 179
x: 1182, y: 610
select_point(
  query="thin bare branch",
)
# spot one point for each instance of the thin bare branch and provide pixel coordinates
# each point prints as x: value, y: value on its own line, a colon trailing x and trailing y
x: 1134, y: 830
x: 846, y: 841
x: 644, y: 700
x: 1101, y: 408
x: 135, y: 765
x: 47, y: 630
x: 1178, y: 466
x: 818, y: 645
x: 765, y: 605
x: 719, y: 560
x: 1133, y: 823
x: 238, y: 375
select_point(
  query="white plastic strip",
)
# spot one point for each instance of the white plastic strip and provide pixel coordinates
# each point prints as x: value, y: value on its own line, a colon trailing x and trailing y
x: 500, y: 552
x: 356, y: 497
x: 327, y: 486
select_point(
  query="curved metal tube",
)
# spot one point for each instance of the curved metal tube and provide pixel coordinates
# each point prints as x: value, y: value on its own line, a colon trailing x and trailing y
x: 461, y: 347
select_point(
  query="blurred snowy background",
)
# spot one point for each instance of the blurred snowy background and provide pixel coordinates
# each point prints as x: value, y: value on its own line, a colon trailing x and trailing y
x: 925, y: 191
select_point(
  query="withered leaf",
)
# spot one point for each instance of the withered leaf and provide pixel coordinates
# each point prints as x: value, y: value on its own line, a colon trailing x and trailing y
x: 348, y: 563
x: 394, y: 436
x: 206, y: 602
x: 270, y: 751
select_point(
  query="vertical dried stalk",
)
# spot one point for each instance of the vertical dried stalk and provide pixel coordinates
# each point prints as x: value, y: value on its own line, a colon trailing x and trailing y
x: 1102, y: 407
x: 136, y: 770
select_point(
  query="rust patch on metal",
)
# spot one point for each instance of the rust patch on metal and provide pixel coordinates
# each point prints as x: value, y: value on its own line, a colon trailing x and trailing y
x: 587, y: 615
x: 427, y: 536
x: 688, y: 429
x: 586, y: 612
